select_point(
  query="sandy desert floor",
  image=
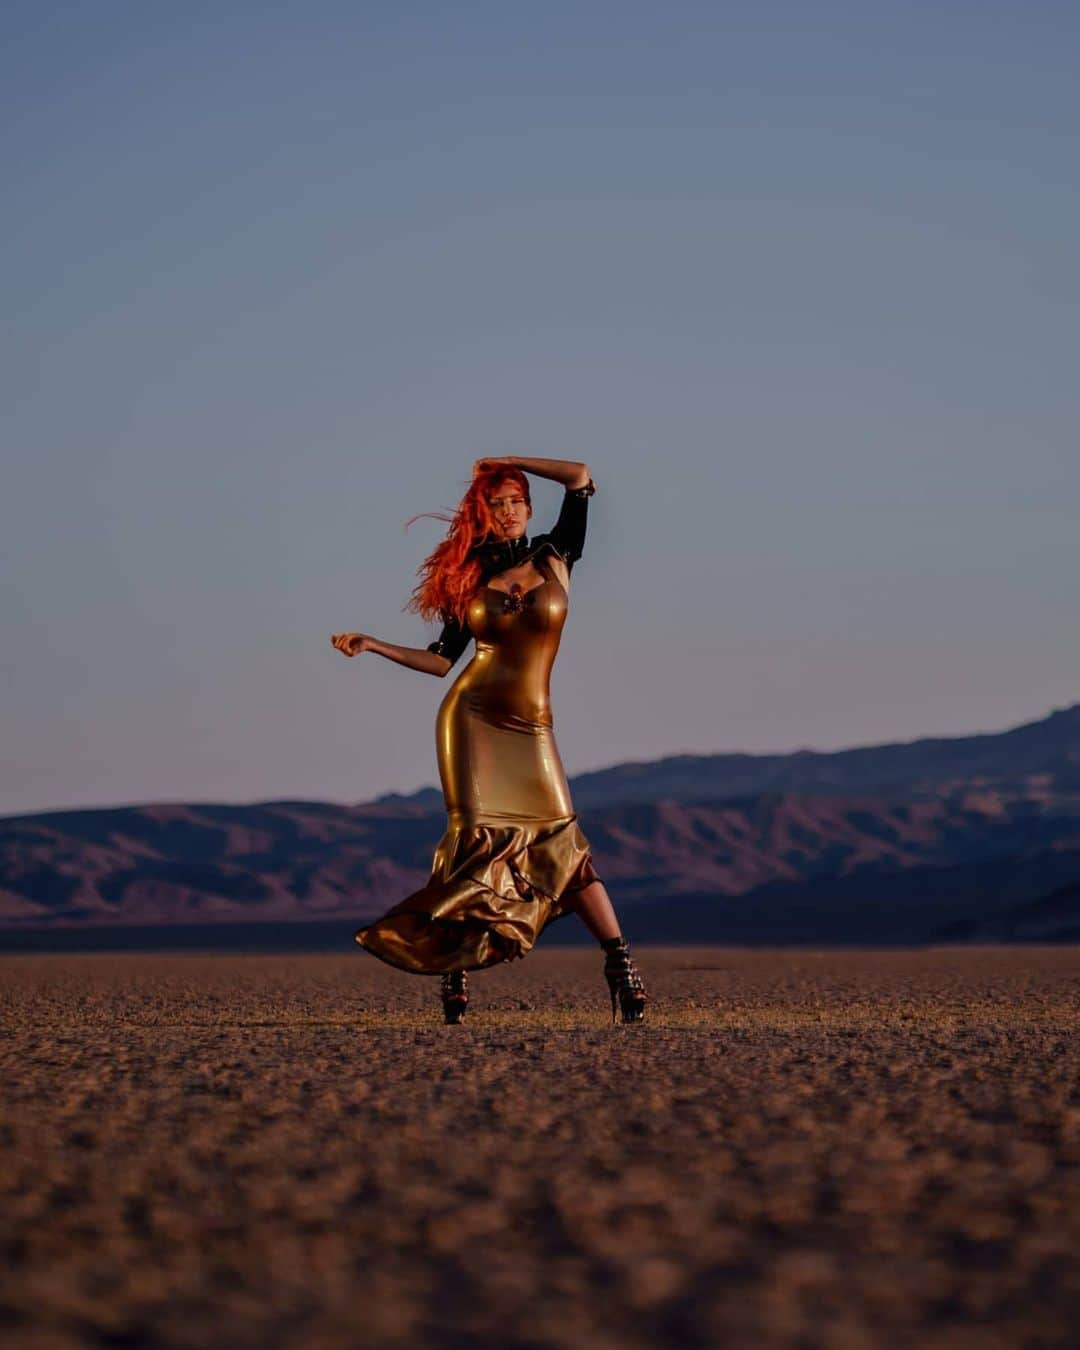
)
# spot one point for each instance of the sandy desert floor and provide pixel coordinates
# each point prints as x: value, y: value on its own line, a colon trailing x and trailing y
x: 835, y: 1149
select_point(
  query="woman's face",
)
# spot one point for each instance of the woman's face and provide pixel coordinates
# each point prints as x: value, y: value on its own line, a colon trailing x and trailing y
x: 510, y: 509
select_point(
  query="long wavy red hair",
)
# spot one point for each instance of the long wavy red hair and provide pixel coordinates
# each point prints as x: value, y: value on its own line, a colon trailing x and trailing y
x: 448, y: 577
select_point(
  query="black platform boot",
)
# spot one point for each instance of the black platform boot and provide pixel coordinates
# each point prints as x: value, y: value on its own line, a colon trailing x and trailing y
x: 455, y: 995
x: 628, y: 995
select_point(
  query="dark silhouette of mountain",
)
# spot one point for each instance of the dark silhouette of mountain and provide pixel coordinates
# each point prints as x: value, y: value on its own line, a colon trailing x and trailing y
x: 1050, y: 918
x: 953, y: 833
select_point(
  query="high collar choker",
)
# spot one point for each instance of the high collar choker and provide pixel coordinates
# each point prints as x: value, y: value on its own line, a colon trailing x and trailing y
x: 496, y: 555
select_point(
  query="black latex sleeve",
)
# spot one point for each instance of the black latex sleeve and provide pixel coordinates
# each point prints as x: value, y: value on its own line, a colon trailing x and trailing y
x: 452, y: 641
x: 568, y: 536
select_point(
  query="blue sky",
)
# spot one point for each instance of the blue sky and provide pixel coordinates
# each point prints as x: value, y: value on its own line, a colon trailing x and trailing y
x: 798, y: 281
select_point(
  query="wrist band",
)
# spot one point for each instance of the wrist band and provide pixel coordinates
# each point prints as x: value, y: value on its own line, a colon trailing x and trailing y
x: 586, y: 491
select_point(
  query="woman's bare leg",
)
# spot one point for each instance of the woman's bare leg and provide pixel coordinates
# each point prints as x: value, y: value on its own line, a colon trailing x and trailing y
x: 628, y: 996
x: 597, y: 913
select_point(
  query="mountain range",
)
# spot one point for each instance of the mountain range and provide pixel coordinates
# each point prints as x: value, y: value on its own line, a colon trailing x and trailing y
x: 948, y: 838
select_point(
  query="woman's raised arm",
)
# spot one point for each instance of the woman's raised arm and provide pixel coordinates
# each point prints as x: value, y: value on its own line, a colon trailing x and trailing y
x: 572, y: 473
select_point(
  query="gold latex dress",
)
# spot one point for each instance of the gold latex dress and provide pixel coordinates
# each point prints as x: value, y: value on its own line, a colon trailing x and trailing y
x: 513, y: 848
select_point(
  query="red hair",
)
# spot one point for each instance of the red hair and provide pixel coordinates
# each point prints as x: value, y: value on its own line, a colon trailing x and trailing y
x: 448, y: 577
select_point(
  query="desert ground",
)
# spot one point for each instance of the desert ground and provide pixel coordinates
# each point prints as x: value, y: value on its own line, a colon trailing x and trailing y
x: 836, y: 1149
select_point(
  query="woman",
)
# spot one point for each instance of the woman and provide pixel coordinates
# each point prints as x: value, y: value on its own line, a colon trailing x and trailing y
x: 513, y: 857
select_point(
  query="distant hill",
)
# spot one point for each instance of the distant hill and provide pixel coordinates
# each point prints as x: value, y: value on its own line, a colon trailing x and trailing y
x: 906, y: 842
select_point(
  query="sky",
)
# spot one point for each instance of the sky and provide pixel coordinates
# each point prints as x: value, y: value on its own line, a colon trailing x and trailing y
x: 797, y: 281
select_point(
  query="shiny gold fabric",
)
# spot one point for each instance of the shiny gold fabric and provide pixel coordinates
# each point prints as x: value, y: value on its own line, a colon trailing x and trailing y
x: 513, y: 848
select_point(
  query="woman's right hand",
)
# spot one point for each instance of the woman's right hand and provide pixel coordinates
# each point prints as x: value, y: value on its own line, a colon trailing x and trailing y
x: 492, y: 462
x: 352, y: 644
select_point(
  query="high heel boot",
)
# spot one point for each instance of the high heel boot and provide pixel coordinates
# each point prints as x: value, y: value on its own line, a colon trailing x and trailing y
x: 455, y: 995
x: 628, y: 995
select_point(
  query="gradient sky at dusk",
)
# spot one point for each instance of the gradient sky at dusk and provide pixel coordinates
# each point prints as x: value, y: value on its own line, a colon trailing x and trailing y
x: 799, y: 281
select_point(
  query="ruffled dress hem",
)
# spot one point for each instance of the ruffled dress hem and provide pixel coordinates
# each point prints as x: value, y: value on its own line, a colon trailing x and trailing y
x: 494, y: 887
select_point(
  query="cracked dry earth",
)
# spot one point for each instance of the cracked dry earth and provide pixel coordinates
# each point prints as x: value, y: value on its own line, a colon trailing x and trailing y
x: 835, y: 1149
